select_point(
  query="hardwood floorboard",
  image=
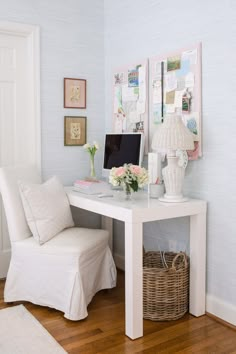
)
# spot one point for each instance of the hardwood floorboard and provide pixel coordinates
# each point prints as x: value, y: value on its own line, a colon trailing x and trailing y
x: 103, y: 331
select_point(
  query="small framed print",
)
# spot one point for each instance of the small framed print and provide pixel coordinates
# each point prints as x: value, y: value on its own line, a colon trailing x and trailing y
x: 74, y: 131
x: 74, y: 93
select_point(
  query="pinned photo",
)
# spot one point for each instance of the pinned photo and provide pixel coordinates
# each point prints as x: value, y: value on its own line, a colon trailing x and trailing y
x: 173, y: 63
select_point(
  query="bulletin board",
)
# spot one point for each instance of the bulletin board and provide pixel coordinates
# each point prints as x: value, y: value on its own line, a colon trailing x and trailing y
x: 130, y: 99
x: 175, y: 88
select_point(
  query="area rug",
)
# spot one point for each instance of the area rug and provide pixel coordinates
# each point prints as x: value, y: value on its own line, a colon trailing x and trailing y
x: 21, y: 333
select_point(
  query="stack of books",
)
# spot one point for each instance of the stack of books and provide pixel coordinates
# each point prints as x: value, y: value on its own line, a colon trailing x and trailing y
x: 91, y: 187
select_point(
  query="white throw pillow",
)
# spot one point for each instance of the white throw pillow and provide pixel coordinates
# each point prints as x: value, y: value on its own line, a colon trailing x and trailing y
x: 47, y: 208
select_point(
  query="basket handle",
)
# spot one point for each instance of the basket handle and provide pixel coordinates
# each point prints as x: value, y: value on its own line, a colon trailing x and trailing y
x: 180, y: 254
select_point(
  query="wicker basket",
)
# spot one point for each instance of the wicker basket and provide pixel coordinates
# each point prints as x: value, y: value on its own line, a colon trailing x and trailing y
x: 165, y: 285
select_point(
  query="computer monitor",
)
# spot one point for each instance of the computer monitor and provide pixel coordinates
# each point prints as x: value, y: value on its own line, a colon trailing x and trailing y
x: 122, y: 148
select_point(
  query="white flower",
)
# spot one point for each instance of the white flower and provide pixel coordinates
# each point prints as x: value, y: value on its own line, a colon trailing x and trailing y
x: 96, y: 145
x: 87, y: 146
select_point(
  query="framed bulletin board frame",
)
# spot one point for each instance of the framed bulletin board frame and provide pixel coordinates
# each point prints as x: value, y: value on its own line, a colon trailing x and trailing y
x: 74, y: 93
x: 175, y: 88
x: 130, y: 99
x: 75, y: 131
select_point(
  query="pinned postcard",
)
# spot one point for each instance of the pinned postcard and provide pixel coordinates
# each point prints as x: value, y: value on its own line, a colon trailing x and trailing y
x: 128, y: 94
x: 170, y: 81
x: 170, y: 97
x: 133, y: 77
x: 173, y: 63
x: 192, y: 123
x: 189, y: 80
x: 141, y: 75
x: 140, y: 107
x: 157, y: 69
x: 181, y: 83
x: 178, y: 98
x: 190, y: 55
x: 119, y: 78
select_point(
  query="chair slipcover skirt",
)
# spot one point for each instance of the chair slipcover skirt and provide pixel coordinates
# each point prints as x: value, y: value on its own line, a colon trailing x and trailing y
x: 65, y: 272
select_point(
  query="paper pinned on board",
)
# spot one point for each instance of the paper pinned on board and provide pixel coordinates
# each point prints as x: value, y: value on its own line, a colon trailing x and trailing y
x: 140, y: 107
x: 141, y: 75
x: 170, y: 81
x: 156, y: 91
x: 178, y: 98
x: 170, y: 97
x: 189, y: 80
x: 128, y: 94
x: 190, y: 55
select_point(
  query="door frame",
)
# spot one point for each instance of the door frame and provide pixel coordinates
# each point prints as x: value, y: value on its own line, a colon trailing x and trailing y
x: 32, y: 32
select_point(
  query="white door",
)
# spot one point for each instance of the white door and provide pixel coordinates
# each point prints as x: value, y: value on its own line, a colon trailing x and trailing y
x: 19, y: 109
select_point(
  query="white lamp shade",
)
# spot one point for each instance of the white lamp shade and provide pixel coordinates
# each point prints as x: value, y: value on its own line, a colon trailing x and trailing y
x: 172, y: 135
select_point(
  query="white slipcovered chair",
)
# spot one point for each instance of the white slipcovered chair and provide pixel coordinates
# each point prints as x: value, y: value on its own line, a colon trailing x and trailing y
x: 63, y: 273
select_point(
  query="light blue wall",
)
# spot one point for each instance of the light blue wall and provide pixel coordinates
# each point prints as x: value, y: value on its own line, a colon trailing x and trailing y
x: 72, y: 45
x: 136, y: 29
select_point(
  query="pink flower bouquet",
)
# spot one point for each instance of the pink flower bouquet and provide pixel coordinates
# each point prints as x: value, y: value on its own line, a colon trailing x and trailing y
x: 130, y: 177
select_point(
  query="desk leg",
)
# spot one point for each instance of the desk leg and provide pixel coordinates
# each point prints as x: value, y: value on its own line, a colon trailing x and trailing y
x: 133, y: 280
x: 197, y: 264
x: 107, y: 224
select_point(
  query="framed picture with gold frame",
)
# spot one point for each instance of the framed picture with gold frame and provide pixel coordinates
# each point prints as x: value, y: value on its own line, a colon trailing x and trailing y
x: 74, y: 131
x: 74, y: 93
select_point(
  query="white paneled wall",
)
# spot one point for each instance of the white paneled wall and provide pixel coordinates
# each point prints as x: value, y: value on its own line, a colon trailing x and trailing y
x: 139, y: 28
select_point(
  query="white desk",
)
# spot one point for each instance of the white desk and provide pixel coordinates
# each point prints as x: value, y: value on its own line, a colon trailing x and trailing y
x: 134, y: 213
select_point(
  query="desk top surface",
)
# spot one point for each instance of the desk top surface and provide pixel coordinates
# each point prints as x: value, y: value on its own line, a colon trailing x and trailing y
x: 140, y: 208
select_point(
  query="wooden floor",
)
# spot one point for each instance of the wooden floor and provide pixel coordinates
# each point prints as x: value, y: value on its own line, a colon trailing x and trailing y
x: 103, y: 330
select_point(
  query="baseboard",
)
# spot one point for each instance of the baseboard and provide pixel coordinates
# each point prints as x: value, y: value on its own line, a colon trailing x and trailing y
x: 220, y: 309
x: 5, y: 257
x: 119, y: 261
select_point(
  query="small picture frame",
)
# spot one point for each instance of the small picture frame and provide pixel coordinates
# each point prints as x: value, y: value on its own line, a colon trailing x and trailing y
x: 74, y: 93
x: 74, y: 131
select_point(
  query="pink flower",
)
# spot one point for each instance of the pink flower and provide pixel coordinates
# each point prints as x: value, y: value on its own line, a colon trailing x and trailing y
x: 120, y: 171
x: 136, y: 170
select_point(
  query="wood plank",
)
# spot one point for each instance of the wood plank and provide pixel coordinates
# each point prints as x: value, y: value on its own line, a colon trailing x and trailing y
x: 103, y: 331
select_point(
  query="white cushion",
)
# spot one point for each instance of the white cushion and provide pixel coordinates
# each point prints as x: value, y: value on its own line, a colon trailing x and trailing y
x: 47, y: 208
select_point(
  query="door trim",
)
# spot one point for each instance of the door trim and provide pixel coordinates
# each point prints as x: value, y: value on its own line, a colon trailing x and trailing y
x: 32, y: 32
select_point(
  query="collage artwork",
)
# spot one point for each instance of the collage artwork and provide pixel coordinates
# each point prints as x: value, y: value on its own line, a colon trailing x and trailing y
x: 174, y: 88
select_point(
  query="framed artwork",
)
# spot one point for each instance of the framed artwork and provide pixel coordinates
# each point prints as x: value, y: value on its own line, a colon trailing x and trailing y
x: 74, y: 131
x: 74, y: 93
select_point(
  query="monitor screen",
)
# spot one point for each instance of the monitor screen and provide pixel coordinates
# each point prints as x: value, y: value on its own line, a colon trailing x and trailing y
x: 122, y: 148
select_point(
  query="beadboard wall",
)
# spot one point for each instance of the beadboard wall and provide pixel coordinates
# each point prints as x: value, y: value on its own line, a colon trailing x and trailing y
x: 136, y: 29
x: 72, y: 45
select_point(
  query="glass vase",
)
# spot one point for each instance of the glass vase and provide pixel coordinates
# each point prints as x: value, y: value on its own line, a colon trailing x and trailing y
x: 92, y: 167
x: 128, y: 192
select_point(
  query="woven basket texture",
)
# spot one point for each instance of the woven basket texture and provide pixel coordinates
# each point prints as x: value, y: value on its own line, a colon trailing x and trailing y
x: 165, y: 285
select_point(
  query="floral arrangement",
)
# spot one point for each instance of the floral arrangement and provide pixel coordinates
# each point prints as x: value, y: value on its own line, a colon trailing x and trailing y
x: 91, y: 149
x: 130, y: 177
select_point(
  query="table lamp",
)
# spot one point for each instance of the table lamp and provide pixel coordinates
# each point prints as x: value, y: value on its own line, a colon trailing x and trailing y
x: 172, y: 135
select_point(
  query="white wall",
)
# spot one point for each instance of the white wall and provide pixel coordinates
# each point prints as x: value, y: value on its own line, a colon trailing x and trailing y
x: 136, y: 29
x: 72, y: 45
